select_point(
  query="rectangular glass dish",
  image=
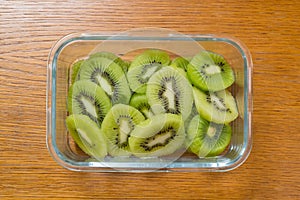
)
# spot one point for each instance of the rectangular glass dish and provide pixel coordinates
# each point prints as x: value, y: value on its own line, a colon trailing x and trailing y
x: 74, y: 47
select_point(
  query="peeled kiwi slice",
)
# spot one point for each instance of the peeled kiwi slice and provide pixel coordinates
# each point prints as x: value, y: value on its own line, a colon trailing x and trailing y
x: 140, y: 102
x: 87, y: 135
x: 117, y: 127
x: 208, y: 138
x: 218, y: 107
x: 75, y: 69
x: 112, y: 57
x: 89, y: 99
x: 143, y: 66
x: 170, y: 92
x: 109, y: 76
x: 210, y: 71
x: 158, y: 136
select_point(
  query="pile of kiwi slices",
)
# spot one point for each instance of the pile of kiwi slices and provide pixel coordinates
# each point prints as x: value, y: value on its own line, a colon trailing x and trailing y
x: 151, y: 106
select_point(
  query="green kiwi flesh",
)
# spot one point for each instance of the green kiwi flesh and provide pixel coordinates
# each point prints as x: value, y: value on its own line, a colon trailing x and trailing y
x: 109, y: 76
x: 208, y: 138
x: 143, y: 66
x: 87, y: 135
x: 218, y: 107
x: 180, y: 62
x: 158, y: 136
x: 89, y: 99
x: 117, y: 127
x: 169, y: 92
x: 140, y: 102
x: 210, y: 72
x: 104, y: 54
x: 75, y: 69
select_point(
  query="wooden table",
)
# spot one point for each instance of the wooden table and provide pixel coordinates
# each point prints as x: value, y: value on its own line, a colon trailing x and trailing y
x: 271, y: 31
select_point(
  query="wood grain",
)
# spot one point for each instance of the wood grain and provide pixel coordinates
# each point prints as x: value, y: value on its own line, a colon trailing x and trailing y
x: 271, y: 31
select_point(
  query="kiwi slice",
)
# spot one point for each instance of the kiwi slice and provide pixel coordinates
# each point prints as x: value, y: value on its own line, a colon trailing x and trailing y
x: 218, y: 107
x: 109, y: 76
x: 158, y: 136
x: 75, y: 69
x: 143, y: 66
x: 87, y: 135
x: 210, y: 72
x: 208, y: 138
x: 180, y: 62
x: 170, y: 92
x: 89, y: 99
x: 117, y: 126
x: 112, y: 57
x: 140, y: 102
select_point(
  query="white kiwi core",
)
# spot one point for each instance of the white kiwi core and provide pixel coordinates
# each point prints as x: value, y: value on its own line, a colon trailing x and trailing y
x: 211, y: 131
x: 124, y: 129
x: 170, y: 95
x: 212, y: 69
x: 160, y: 139
x: 89, y: 106
x: 84, y: 136
x: 105, y: 85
